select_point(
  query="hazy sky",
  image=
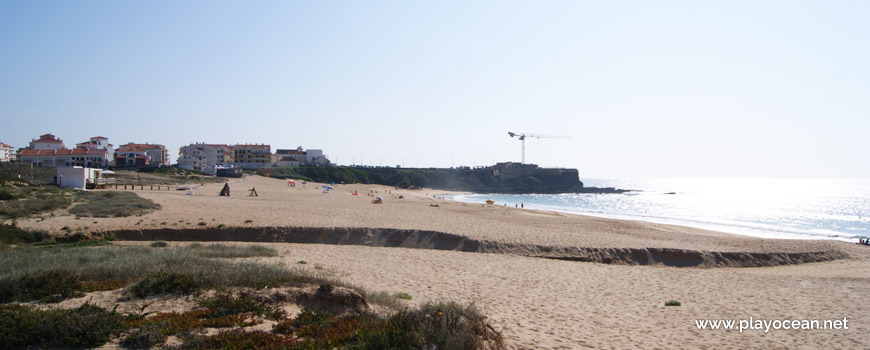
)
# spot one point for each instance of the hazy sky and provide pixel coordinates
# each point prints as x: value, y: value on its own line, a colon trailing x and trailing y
x: 643, y: 88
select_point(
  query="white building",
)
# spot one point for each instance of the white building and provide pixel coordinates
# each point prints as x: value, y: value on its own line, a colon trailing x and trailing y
x: 201, y: 156
x: 78, y: 177
x: 311, y: 157
x: 46, y: 142
x: 94, y: 158
x: 285, y: 161
x: 7, y: 153
x: 99, y: 142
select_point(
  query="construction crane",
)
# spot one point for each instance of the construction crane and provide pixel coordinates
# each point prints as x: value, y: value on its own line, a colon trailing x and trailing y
x: 522, y: 136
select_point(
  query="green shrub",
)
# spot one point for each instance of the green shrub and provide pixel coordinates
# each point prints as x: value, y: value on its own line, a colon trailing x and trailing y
x: 47, y: 286
x: 440, y: 326
x: 228, y: 304
x: 242, y: 339
x: 159, y: 244
x: 673, y: 303
x: 403, y: 296
x: 88, y: 325
x: 109, y: 204
x: 130, y: 263
x: 31, y: 206
x: 6, y: 195
x: 231, y: 251
x: 13, y: 235
x: 75, y: 244
x: 433, y: 326
x: 145, y: 337
x: 164, y: 283
x: 202, y: 223
x: 170, y: 323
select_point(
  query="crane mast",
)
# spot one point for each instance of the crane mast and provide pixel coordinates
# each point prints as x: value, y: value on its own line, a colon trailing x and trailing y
x: 522, y: 137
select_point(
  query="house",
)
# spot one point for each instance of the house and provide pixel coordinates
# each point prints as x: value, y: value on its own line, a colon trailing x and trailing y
x: 80, y: 177
x: 201, y: 156
x: 311, y: 157
x: 46, y: 142
x: 7, y: 153
x: 99, y: 142
x: 157, y: 154
x: 128, y: 156
x: 252, y: 156
x: 288, y: 161
x: 94, y: 158
x: 319, y: 161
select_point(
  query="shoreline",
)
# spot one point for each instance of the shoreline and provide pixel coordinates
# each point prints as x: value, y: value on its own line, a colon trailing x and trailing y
x: 762, y: 231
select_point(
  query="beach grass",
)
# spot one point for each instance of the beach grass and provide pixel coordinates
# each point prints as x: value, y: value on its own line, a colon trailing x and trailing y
x: 51, y: 274
x: 13, y: 235
x: 108, y: 204
x: 231, y: 251
x: 25, y: 201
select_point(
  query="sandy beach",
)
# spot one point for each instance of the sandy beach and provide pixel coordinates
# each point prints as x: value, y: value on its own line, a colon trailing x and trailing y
x: 539, y: 303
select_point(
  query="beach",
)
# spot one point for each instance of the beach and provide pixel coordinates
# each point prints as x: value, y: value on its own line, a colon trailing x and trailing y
x: 525, y: 269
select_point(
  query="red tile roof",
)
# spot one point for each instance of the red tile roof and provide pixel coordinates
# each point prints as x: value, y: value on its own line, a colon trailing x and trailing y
x: 130, y: 149
x: 64, y: 152
x: 48, y: 138
x: 5, y: 145
x: 142, y: 145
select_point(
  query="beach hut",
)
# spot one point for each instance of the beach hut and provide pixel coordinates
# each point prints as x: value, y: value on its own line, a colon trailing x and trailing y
x: 79, y: 177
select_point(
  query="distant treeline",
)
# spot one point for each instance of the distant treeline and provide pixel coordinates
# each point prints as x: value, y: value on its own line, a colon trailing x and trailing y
x: 472, y: 180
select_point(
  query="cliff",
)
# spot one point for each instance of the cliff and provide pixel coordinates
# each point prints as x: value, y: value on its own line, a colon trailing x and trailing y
x: 501, y: 178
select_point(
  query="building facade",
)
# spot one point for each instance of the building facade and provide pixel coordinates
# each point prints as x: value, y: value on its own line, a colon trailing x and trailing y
x: 252, y: 156
x: 288, y: 161
x: 91, y: 158
x: 99, y: 142
x: 7, y: 153
x: 46, y: 142
x: 311, y: 157
x: 200, y: 156
x: 157, y: 154
x: 130, y: 156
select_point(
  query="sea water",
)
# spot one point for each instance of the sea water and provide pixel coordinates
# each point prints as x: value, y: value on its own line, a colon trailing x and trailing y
x: 769, y: 208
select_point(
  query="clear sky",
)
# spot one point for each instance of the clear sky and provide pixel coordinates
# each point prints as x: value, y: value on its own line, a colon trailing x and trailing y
x: 643, y: 88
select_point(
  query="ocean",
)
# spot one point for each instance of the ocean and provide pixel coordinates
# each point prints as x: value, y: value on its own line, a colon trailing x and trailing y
x: 769, y: 208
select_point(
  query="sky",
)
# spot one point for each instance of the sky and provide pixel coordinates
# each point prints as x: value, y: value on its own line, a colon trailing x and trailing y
x: 637, y: 88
